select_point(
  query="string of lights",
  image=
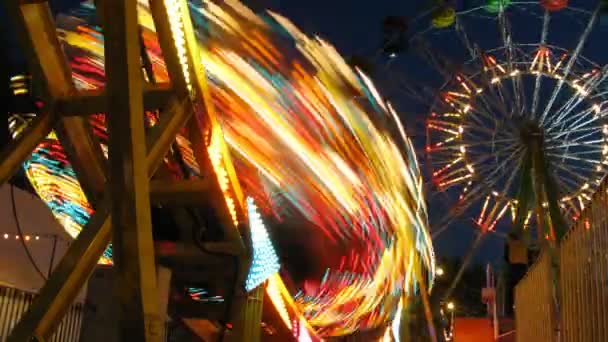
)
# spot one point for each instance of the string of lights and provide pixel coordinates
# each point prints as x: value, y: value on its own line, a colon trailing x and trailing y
x: 32, y: 236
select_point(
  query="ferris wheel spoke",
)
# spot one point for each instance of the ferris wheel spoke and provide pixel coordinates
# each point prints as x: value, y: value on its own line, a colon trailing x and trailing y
x: 489, y: 136
x: 486, y: 103
x: 572, y: 167
x: 517, y: 166
x: 568, y: 67
x: 586, y: 160
x: 505, y: 140
x: 491, y: 124
x: 567, y: 185
x: 592, y: 130
x: 495, y: 95
x: 573, y: 173
x: 593, y: 150
x: 582, y: 123
x: 505, y: 32
x: 501, y: 99
x: 413, y: 89
x: 564, y: 185
x: 446, y: 148
x: 537, y: 84
x: 572, y: 122
x: 589, y: 87
x: 520, y: 95
x: 566, y: 109
x: 577, y: 167
x: 585, y: 136
x: 432, y: 57
x: 501, y: 166
x: 575, y: 144
x: 462, y: 34
x: 481, y: 129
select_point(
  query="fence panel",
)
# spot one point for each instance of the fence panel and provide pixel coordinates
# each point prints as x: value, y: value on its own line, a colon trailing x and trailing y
x: 583, y: 275
x: 535, y: 318
x: 14, y: 303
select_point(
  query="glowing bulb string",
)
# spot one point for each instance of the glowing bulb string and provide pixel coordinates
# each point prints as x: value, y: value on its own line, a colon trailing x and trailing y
x: 22, y: 236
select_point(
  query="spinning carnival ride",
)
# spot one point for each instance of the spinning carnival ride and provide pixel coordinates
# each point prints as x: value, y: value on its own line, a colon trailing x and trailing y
x: 303, y: 130
x: 517, y: 122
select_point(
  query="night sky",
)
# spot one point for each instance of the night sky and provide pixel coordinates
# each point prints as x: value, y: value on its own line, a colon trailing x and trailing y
x: 354, y: 27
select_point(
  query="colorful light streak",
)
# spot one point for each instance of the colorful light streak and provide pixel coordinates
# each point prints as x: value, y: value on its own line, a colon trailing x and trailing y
x: 299, y: 120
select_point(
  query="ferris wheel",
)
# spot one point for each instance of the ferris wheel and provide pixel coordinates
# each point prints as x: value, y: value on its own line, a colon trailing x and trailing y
x: 516, y: 129
x: 515, y: 104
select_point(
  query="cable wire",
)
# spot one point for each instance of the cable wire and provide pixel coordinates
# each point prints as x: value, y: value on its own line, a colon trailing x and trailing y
x: 27, y: 250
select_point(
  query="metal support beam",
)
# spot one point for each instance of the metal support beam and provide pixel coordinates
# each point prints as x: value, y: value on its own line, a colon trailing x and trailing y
x: 94, y: 101
x: 63, y: 286
x: 15, y: 153
x: 135, y: 288
x: 164, y: 291
x: 247, y: 322
x: 180, y: 192
x: 162, y: 24
x: 38, y: 36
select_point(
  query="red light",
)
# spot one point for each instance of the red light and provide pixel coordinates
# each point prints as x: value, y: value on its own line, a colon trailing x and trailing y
x: 166, y: 248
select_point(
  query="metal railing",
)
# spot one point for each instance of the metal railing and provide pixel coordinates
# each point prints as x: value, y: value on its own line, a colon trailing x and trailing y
x: 584, y: 274
x: 535, y: 310
x: 14, y: 303
x: 583, y: 284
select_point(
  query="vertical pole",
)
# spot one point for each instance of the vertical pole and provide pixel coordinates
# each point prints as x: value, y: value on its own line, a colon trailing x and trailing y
x: 246, y: 325
x: 428, y: 314
x: 496, y: 331
x: 52, y: 256
x: 135, y: 275
x: 465, y: 263
x: 164, y: 290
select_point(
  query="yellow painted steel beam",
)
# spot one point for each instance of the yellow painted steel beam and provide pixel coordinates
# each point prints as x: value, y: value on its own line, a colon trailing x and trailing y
x: 62, y: 287
x: 95, y: 101
x: 239, y: 235
x: 198, y: 82
x: 170, y: 53
x: 135, y: 284
x: 37, y: 33
x: 15, y: 153
x: 197, y: 128
x: 247, y: 320
x: 164, y: 292
x: 180, y: 192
